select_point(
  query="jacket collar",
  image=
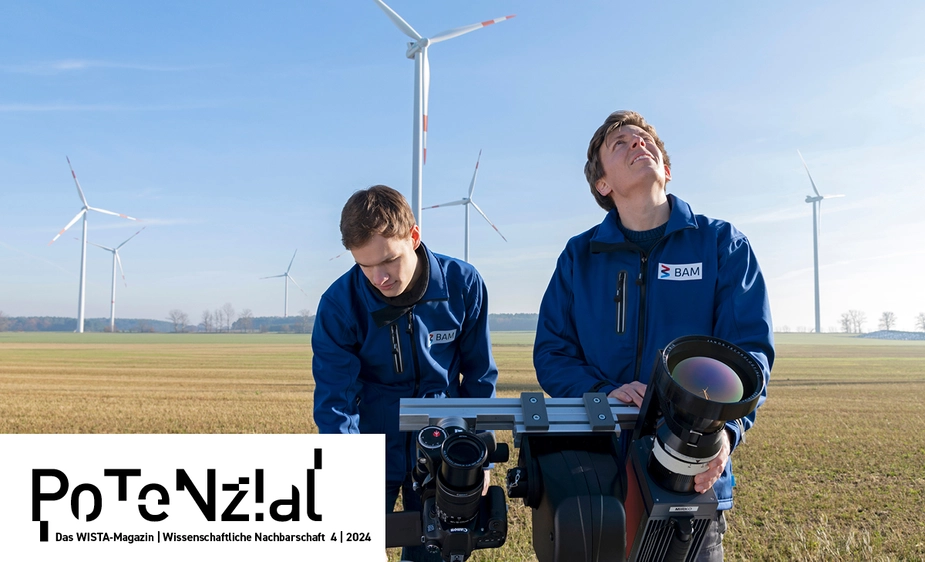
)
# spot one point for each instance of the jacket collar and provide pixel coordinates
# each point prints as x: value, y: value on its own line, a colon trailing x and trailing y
x: 609, y: 238
x: 384, y: 313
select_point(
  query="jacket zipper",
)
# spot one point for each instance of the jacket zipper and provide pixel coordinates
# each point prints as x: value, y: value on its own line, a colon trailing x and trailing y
x: 620, y: 299
x: 396, y: 348
x: 409, y: 461
x: 414, y: 362
x: 641, y: 329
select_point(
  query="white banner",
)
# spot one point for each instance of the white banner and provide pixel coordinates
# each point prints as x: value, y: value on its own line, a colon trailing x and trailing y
x: 187, y: 497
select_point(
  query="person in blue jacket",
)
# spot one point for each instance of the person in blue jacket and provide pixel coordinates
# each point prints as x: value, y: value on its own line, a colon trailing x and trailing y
x: 401, y: 323
x: 650, y: 272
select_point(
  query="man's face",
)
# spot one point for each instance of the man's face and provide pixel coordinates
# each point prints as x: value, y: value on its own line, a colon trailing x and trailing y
x: 631, y: 160
x: 390, y: 264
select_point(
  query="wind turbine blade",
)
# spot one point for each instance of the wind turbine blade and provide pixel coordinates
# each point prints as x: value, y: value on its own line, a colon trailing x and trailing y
x: 475, y: 173
x: 808, y: 174
x: 426, y: 95
x: 274, y: 276
x: 338, y: 255
x: 451, y: 203
x: 113, y: 214
x: 122, y: 271
x: 831, y: 196
x: 465, y: 29
x: 399, y: 22
x: 489, y: 220
x: 69, y: 225
x: 99, y: 246
x: 297, y: 285
x: 292, y: 260
x: 77, y: 183
x: 130, y: 237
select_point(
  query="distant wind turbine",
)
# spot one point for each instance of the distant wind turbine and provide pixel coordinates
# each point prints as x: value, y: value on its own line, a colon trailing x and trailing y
x: 417, y: 50
x: 116, y: 260
x: 816, y: 200
x: 467, y: 201
x: 81, y: 299
x: 288, y: 278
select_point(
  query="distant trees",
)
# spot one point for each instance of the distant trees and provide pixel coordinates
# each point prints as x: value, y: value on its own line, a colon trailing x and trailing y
x: 518, y: 322
x: 246, y: 320
x: 887, y: 321
x: 228, y: 314
x: 207, y: 321
x: 852, y: 322
x: 179, y: 319
x: 920, y: 321
x: 305, y: 321
x: 218, y: 320
x: 3, y: 322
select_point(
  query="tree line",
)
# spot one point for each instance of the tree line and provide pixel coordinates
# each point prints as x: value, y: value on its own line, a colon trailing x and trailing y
x: 221, y: 319
x: 852, y: 322
x: 226, y: 319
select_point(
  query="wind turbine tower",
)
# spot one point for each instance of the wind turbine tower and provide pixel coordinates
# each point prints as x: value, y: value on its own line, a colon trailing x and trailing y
x: 81, y: 298
x: 816, y: 201
x: 115, y: 260
x: 417, y: 50
x: 467, y: 201
x: 288, y: 278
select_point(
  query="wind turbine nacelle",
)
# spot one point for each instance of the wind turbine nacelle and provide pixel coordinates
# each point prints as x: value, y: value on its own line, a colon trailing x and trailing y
x: 415, y: 47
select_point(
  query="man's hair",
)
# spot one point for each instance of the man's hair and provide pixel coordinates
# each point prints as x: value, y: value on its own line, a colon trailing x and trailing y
x: 376, y: 210
x: 593, y: 168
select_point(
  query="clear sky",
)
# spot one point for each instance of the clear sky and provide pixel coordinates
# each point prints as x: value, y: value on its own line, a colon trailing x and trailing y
x: 237, y: 130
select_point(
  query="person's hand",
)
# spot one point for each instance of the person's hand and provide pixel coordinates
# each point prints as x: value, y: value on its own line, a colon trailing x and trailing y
x: 705, y: 480
x: 629, y: 393
x: 486, y: 482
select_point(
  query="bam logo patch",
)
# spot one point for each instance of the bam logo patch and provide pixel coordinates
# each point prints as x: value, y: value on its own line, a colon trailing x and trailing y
x: 445, y: 336
x: 680, y: 271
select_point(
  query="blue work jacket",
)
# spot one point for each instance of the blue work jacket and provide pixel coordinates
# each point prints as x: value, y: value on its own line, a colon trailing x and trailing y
x: 367, y: 354
x: 610, y: 307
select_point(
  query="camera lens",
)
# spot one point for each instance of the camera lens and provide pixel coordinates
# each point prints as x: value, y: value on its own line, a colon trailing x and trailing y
x: 459, y: 485
x: 463, y: 457
x: 701, y: 383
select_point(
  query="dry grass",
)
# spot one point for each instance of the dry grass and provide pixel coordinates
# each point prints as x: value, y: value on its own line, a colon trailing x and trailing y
x: 168, y: 384
x: 833, y: 470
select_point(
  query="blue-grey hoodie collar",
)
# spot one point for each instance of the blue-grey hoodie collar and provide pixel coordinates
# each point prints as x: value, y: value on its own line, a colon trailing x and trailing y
x: 609, y: 238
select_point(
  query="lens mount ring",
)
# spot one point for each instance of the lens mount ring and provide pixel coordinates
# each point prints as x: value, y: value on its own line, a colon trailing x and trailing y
x: 677, y: 463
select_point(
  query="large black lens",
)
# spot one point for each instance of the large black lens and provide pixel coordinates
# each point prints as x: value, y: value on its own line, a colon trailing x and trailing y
x: 459, y: 486
x: 714, y: 381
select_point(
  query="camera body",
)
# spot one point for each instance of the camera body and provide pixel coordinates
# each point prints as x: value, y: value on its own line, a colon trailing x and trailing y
x: 592, y: 500
x: 449, y: 476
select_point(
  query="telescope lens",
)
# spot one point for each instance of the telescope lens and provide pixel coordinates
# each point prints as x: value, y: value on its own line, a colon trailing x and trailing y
x: 709, y: 378
x: 459, y: 484
x: 700, y: 383
x: 463, y: 457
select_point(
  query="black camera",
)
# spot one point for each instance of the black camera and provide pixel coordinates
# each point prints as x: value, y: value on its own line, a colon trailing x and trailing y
x: 591, y: 499
x: 449, y: 476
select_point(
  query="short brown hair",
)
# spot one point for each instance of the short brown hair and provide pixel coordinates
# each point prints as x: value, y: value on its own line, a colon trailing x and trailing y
x: 376, y: 210
x: 593, y: 168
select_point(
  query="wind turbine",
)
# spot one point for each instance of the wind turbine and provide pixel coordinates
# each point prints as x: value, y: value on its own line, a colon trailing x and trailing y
x: 417, y: 50
x: 288, y: 278
x: 816, y: 200
x: 115, y: 259
x: 81, y: 299
x: 468, y: 201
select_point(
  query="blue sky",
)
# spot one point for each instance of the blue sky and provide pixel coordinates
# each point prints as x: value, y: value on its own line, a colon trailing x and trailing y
x: 237, y: 131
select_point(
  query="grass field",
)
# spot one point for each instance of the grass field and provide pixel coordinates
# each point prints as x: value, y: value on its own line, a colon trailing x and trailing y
x: 834, y: 469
